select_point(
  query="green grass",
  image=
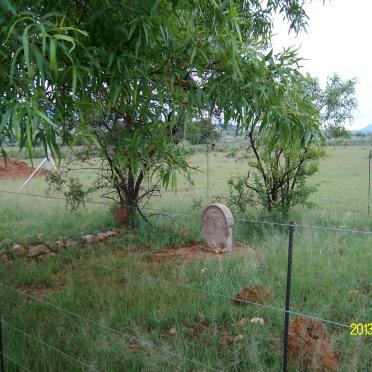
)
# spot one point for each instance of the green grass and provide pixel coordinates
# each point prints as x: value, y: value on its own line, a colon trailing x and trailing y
x: 331, y: 279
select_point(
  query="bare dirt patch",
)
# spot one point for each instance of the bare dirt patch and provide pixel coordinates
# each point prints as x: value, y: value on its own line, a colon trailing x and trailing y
x: 309, y: 346
x: 199, y: 251
x: 39, y: 290
x: 15, y: 169
x: 199, y: 328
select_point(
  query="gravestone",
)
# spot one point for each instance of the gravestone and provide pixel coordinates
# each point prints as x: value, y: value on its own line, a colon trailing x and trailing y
x: 216, y: 227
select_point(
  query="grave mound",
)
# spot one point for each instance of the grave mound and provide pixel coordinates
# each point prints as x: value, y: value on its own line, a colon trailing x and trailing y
x: 199, y: 251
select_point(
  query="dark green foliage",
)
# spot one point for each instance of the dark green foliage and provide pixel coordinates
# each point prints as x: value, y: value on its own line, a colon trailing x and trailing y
x: 277, y: 180
x: 202, y: 132
x: 335, y: 103
x: 127, y: 73
x: 72, y: 189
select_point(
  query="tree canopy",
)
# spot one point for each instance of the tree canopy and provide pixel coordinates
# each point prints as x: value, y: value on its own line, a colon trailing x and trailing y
x: 142, y: 58
x: 335, y: 102
x: 129, y: 73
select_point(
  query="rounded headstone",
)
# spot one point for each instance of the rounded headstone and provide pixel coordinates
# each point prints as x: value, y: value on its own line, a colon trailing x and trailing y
x: 216, y: 226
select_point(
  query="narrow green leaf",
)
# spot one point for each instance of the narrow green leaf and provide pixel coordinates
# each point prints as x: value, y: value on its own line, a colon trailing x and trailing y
x: 15, y: 24
x: 43, y: 116
x: 29, y: 135
x: 53, y: 55
x: 26, y: 48
x: 40, y: 62
x: 43, y: 35
x: 155, y: 6
x: 66, y: 38
x: 4, y: 120
x: 74, y: 78
x: 52, y: 14
x: 192, y: 55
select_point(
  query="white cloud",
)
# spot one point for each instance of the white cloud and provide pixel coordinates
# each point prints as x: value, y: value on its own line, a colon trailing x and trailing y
x: 337, y: 40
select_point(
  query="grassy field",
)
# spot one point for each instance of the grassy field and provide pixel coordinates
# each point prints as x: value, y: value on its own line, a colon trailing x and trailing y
x: 161, y: 325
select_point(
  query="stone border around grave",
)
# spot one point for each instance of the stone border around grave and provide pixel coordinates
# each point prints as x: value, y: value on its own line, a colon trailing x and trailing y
x: 41, y: 251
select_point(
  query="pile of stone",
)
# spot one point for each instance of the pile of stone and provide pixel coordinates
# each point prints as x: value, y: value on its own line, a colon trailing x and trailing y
x: 44, y: 250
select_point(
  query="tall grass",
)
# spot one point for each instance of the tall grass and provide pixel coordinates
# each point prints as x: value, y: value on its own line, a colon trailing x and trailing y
x: 172, y: 325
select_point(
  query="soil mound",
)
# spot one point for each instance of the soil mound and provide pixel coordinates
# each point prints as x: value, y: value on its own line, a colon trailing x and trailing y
x: 257, y: 294
x: 309, y: 346
x: 14, y: 169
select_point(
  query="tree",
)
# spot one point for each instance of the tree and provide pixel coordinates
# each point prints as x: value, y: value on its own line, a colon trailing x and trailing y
x: 127, y: 73
x: 201, y: 132
x: 278, y: 168
x: 335, y: 103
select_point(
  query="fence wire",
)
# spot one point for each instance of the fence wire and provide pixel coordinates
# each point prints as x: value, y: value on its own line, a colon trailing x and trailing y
x: 49, y: 346
x: 193, y: 289
x: 107, y: 328
x: 172, y: 212
x: 24, y: 368
x: 198, y: 290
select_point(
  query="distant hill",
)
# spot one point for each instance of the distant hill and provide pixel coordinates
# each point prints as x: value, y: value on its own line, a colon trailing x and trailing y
x: 366, y: 130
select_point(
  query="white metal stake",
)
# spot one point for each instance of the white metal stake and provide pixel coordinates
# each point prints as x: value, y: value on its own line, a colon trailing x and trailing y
x: 50, y: 163
x: 32, y: 174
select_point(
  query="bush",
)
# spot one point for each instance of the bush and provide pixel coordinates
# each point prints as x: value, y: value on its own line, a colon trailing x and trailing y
x: 277, y: 181
x: 201, y: 132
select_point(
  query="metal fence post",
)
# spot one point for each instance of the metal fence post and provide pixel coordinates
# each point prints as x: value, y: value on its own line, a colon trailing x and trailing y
x: 2, y: 368
x: 369, y: 180
x: 208, y: 171
x: 288, y: 295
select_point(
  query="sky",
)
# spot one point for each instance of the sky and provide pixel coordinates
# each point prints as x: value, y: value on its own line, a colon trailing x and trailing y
x: 337, y: 40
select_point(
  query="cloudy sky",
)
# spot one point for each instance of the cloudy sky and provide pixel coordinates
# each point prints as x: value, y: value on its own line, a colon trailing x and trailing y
x: 338, y: 40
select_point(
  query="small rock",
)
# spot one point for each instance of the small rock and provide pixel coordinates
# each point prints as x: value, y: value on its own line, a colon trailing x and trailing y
x: 55, y: 246
x: 19, y: 249
x: 60, y: 244
x: 218, y: 251
x: 37, y: 250
x: 171, y: 331
x: 51, y: 254
x: 4, y: 258
x: 256, y: 320
x: 109, y: 234
x: 243, y: 321
x: 238, y: 338
x: 101, y: 236
x: 89, y: 239
x: 40, y: 259
x: 71, y: 243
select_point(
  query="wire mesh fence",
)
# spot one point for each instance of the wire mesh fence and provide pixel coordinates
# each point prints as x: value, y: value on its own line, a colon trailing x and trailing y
x: 203, y: 293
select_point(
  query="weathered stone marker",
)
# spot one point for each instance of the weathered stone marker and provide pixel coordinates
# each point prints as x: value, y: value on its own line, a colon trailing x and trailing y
x: 216, y: 227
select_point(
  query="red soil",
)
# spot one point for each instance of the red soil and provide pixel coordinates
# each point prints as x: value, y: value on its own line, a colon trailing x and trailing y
x: 257, y: 294
x: 15, y: 169
x: 309, y: 346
